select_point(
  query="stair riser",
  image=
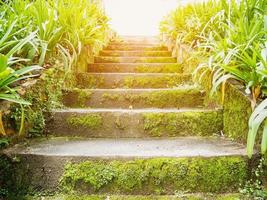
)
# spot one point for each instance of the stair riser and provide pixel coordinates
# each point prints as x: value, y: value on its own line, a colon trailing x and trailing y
x: 136, y: 53
x: 135, y: 176
x: 136, y: 48
x: 112, y: 124
x: 205, y: 196
x: 133, y: 99
x: 140, y: 39
x: 108, y: 81
x: 106, y: 59
x: 137, y: 43
x: 135, y: 68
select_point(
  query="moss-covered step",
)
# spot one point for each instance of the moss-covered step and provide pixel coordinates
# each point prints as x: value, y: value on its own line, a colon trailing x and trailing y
x: 135, y: 122
x: 183, y: 97
x: 131, y: 80
x: 112, y: 59
x: 137, y: 42
x: 138, y: 39
x: 130, y: 166
x: 140, y: 197
x: 136, y: 47
x: 136, y: 53
x: 136, y: 67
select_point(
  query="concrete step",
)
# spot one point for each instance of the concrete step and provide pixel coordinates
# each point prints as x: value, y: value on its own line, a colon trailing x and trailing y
x: 137, y: 42
x: 141, y: 197
x: 122, y: 47
x: 111, y: 59
x: 117, y: 123
x: 136, y: 67
x: 139, y: 39
x: 183, y: 97
x: 130, y: 166
x: 129, y: 43
x: 131, y: 80
x: 136, y: 53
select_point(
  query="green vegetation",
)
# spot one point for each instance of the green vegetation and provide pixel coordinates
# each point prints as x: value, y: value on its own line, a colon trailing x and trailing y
x: 156, y: 82
x: 164, y: 68
x: 231, y: 37
x: 41, y: 33
x: 128, y: 197
x: 84, y: 80
x: 185, y: 97
x: 237, y: 109
x: 91, y: 121
x: 183, y: 124
x: 156, y: 176
x: 254, y: 188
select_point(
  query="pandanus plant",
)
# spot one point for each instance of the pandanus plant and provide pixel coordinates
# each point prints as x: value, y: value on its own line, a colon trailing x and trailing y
x: 8, y: 75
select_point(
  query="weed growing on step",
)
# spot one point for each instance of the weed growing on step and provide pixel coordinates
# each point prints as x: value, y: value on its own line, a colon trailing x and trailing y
x: 255, y: 188
x: 44, y: 95
x: 156, y: 82
x: 164, y: 68
x: 91, y: 121
x: 83, y: 97
x: 84, y: 80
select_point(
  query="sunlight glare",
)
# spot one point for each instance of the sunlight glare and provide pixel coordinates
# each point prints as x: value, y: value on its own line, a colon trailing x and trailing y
x: 138, y: 17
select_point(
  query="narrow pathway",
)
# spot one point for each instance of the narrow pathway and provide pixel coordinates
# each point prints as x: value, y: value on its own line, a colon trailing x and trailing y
x: 136, y: 110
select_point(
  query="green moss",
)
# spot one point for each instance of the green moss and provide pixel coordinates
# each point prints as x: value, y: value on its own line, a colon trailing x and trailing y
x: 156, y: 53
x: 128, y: 197
x: 186, y: 97
x: 119, y: 124
x: 83, y: 80
x: 183, y: 124
x: 155, y: 82
x: 237, y: 110
x: 109, y: 59
x: 156, y: 60
x: 91, y: 121
x: 83, y: 96
x: 153, y: 175
x: 107, y: 96
x: 164, y: 68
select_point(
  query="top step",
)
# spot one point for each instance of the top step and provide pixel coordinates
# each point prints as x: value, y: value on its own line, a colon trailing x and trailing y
x: 136, y: 47
x: 143, y: 39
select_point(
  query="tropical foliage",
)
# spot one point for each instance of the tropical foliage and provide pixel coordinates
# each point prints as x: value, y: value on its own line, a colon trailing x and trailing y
x: 36, y: 35
x: 232, y: 36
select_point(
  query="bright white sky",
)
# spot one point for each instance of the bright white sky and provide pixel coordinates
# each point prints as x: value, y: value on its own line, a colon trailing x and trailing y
x: 138, y: 17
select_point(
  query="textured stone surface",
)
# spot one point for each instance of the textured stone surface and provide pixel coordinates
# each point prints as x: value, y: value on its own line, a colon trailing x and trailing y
x: 135, y: 53
x: 135, y: 122
x: 133, y: 148
x: 131, y: 80
x: 136, y: 67
x: 183, y: 97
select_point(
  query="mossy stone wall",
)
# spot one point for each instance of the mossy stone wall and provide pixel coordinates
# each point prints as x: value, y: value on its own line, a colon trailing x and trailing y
x: 237, y: 110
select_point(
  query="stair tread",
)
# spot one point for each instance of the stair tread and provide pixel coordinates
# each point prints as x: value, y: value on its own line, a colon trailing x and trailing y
x: 147, y: 110
x: 164, y: 51
x: 180, y: 87
x: 134, y: 64
x: 134, y: 59
x: 206, y: 196
x: 135, y: 74
x: 132, y: 147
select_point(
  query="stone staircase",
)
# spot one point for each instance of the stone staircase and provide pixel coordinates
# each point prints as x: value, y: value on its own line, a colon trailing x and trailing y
x: 135, y: 125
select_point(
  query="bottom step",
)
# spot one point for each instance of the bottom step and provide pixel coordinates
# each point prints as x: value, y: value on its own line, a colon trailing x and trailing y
x: 130, y: 166
x: 107, y: 197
